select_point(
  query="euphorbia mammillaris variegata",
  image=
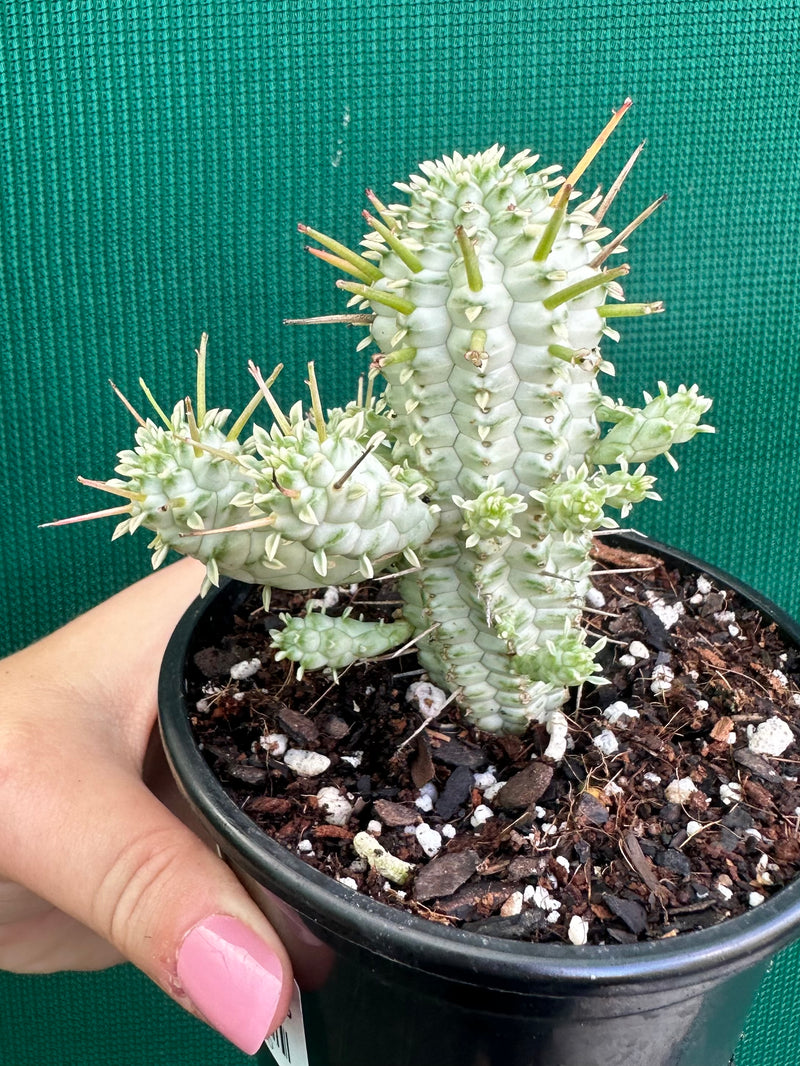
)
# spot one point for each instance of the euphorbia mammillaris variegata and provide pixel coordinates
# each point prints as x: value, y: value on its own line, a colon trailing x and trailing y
x: 482, y: 472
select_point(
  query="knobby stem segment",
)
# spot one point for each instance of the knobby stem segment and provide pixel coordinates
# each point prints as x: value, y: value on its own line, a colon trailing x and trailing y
x: 353, y: 466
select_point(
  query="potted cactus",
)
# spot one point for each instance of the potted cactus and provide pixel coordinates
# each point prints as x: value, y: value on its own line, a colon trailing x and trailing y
x: 480, y: 479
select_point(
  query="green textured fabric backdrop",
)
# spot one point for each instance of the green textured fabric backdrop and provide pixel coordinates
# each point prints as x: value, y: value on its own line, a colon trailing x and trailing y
x: 156, y: 157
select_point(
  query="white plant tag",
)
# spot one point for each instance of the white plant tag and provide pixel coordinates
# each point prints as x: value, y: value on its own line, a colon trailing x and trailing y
x: 287, y: 1045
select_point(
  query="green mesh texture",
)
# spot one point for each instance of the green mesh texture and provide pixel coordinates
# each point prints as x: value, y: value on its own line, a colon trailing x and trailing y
x: 156, y: 157
x: 114, y: 1018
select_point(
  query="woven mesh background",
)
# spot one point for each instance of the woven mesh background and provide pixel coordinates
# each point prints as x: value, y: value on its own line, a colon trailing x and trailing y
x: 156, y: 157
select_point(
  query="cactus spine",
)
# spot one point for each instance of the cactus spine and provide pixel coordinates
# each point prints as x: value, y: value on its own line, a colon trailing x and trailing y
x: 485, y: 461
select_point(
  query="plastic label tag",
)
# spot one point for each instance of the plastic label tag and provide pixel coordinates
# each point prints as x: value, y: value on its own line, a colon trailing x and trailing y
x: 287, y: 1044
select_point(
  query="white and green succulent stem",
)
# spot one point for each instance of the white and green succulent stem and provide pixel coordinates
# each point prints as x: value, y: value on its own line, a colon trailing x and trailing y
x: 483, y: 468
x: 304, y: 504
x: 488, y: 290
x: 320, y: 640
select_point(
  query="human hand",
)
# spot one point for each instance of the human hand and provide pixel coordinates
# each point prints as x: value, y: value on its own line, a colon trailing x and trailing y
x: 95, y: 868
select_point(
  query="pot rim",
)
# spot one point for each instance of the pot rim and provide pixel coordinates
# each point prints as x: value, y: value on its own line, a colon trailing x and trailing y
x: 411, y: 940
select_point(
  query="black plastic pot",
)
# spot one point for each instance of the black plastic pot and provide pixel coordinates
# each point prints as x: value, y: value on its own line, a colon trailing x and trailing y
x: 381, y: 988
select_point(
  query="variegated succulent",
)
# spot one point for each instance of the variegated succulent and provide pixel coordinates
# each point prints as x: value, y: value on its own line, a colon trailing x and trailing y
x: 481, y: 473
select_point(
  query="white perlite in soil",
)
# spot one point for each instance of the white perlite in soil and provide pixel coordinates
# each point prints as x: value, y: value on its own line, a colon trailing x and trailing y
x: 772, y: 737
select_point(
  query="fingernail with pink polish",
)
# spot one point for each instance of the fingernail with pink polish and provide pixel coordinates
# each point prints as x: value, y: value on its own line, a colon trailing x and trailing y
x: 232, y: 978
